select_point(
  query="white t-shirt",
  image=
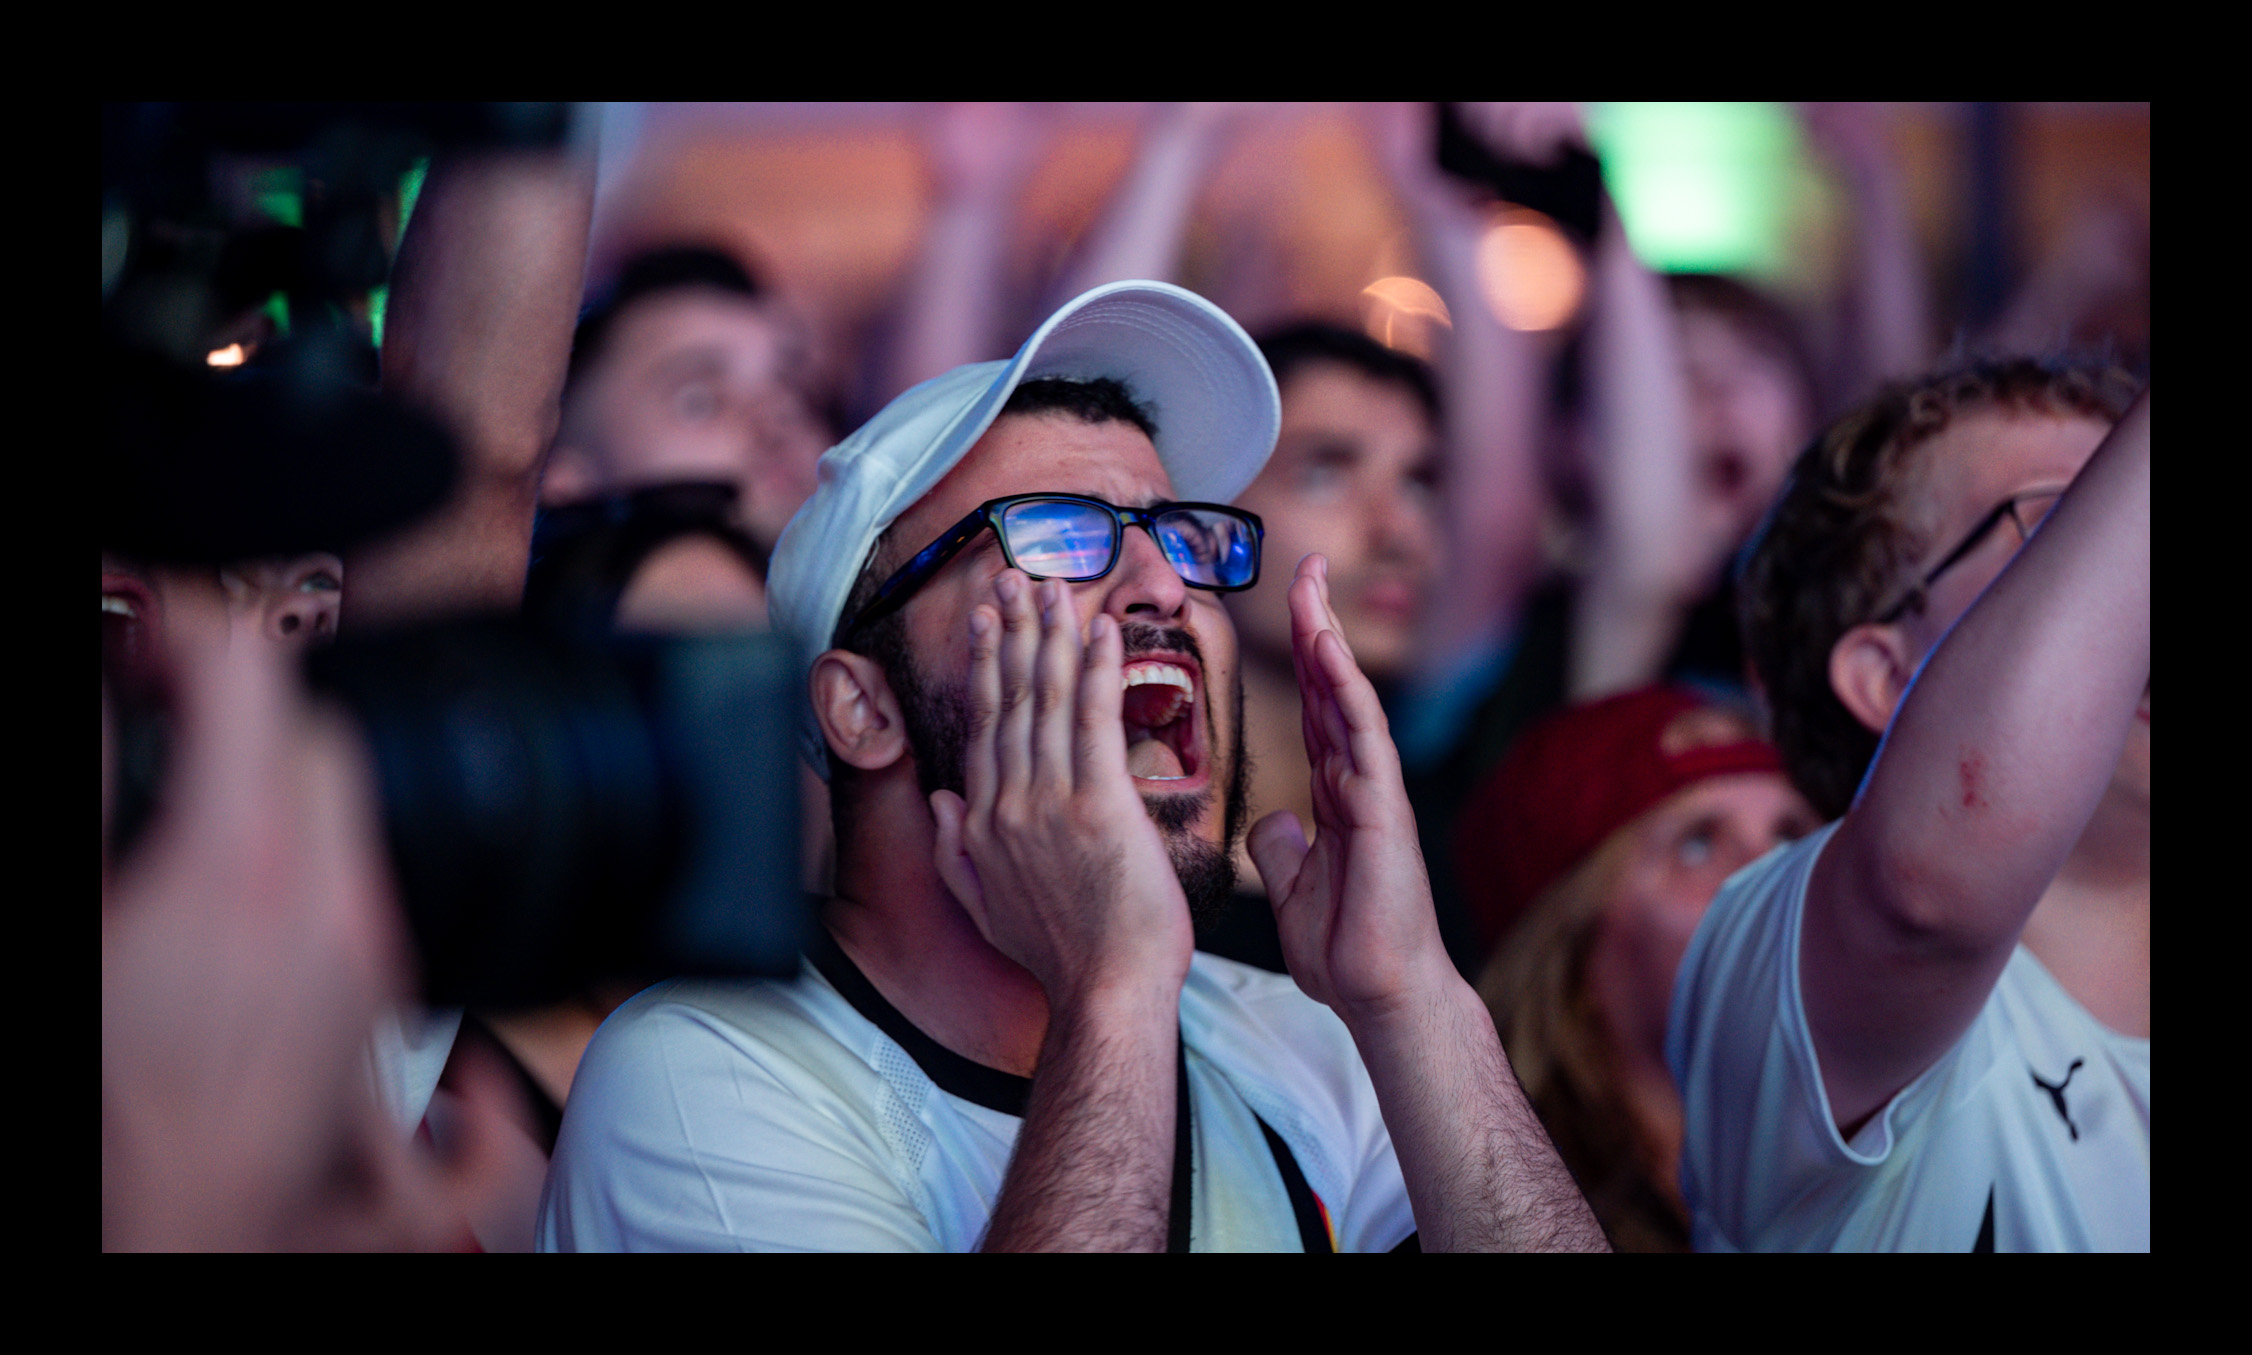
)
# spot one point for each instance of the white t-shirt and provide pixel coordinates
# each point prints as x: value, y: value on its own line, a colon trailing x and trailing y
x: 809, y: 1116
x: 1979, y: 1153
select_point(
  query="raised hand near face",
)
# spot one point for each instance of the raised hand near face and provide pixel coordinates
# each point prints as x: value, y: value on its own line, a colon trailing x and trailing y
x: 1051, y: 852
x: 1354, y: 907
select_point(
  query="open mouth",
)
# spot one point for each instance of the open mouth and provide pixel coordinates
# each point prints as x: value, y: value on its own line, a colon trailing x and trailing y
x: 129, y: 616
x: 1160, y: 719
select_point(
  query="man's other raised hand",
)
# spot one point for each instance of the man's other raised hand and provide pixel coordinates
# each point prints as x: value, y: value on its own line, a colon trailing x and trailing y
x: 1353, y: 907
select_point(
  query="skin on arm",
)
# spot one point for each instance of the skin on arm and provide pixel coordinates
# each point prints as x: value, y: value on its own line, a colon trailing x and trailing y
x: 1059, y: 865
x: 1492, y: 377
x: 1650, y: 560
x: 1887, y: 305
x: 1142, y: 231
x: 952, y: 311
x: 483, y: 299
x: 1976, y: 798
x: 1358, y: 931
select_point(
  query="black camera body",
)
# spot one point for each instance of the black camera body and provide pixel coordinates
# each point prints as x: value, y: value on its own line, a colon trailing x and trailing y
x: 563, y: 811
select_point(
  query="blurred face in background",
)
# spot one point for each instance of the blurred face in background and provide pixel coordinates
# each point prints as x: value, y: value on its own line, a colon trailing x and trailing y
x: 1677, y: 856
x: 694, y: 384
x: 288, y: 601
x: 1353, y: 476
x: 1751, y: 414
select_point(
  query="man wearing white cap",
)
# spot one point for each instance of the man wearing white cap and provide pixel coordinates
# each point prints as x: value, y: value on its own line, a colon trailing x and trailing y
x: 1025, y: 696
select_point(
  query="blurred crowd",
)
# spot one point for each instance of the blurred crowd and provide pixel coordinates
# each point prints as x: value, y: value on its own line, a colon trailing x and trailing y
x: 493, y: 657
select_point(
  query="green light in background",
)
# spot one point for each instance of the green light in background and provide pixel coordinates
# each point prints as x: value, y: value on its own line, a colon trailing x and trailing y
x: 280, y: 194
x: 410, y: 188
x: 1703, y: 187
x: 277, y: 310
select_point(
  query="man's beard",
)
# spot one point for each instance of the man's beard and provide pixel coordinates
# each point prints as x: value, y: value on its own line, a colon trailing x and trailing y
x: 938, y: 731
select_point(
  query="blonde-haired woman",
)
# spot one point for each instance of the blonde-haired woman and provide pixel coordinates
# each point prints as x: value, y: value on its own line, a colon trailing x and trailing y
x: 1588, y: 859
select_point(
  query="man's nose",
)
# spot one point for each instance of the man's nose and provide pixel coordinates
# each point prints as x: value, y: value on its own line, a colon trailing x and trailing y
x: 1144, y: 584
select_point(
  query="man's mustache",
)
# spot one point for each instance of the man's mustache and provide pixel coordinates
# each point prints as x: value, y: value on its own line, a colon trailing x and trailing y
x: 1141, y: 637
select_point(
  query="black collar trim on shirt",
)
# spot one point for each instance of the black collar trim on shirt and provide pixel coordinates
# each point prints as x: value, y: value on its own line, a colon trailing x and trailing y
x: 1009, y: 1094
x: 955, y: 1075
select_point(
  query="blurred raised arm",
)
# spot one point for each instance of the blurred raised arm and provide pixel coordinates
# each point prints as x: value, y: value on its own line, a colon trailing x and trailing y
x: 483, y: 301
x: 1652, y: 552
x: 1142, y: 230
x: 1494, y: 397
x: 1887, y: 300
x: 954, y: 306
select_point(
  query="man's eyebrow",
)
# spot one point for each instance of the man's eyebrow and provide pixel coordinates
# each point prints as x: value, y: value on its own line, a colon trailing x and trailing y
x: 1146, y: 500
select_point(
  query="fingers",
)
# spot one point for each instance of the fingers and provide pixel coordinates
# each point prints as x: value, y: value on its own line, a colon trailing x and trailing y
x: 1019, y: 657
x: 1102, y: 695
x: 1056, y: 687
x: 1311, y: 618
x: 1351, y: 694
x: 979, y: 773
x: 1310, y: 612
x: 951, y: 855
x: 1278, y: 849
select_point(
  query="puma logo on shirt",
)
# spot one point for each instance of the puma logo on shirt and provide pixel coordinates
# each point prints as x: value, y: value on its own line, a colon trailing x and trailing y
x: 2056, y: 1096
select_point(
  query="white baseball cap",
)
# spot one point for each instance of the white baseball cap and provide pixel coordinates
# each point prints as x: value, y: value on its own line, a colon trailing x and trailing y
x: 1198, y: 374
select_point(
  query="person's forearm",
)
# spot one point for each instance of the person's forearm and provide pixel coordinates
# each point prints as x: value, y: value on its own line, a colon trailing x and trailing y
x: 1481, y: 1172
x: 1997, y: 757
x: 1648, y: 556
x: 2010, y: 734
x: 483, y: 299
x: 1887, y: 300
x: 1141, y: 232
x: 1492, y: 378
x: 951, y: 313
x: 1092, y: 1170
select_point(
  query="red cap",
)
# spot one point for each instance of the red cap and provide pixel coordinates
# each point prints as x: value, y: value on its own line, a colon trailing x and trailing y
x: 1579, y: 775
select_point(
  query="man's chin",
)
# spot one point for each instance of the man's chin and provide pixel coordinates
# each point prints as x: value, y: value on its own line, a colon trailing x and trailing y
x: 1205, y: 869
x: 1207, y: 876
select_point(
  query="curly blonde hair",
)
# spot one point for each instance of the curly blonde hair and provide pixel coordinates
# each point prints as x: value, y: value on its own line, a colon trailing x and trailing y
x: 1563, y: 1054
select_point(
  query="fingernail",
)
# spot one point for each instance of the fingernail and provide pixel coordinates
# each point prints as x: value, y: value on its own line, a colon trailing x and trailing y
x: 981, y: 622
x: 1007, y: 587
x: 1050, y: 592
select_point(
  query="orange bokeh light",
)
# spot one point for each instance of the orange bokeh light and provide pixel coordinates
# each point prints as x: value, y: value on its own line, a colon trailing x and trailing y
x: 1401, y: 313
x: 1530, y: 271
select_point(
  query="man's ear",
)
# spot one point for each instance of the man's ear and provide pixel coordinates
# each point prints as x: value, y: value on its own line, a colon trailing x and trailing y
x: 1870, y: 667
x: 860, y: 718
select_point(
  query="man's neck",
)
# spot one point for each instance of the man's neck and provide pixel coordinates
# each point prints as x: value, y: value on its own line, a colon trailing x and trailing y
x: 896, y: 921
x: 1277, y: 746
x: 2091, y: 929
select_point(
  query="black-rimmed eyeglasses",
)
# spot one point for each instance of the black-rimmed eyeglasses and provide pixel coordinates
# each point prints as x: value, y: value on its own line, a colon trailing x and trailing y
x: 1078, y: 539
x: 2022, y: 511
